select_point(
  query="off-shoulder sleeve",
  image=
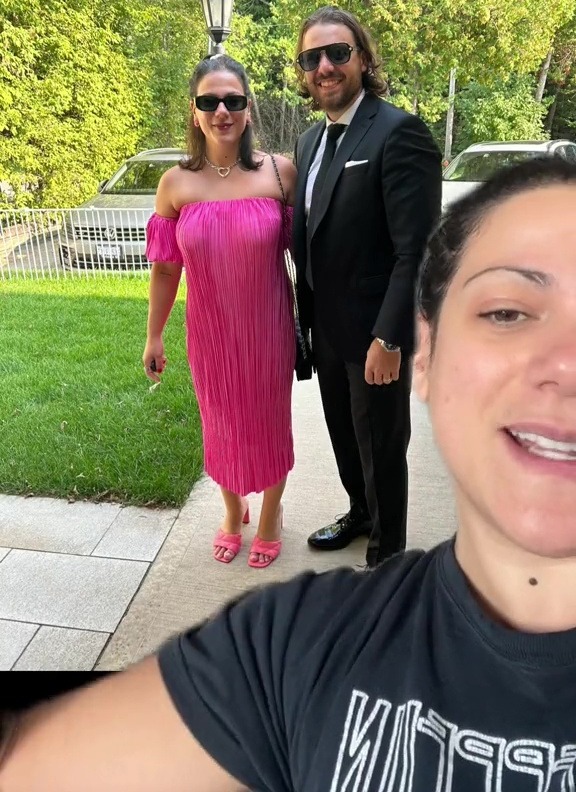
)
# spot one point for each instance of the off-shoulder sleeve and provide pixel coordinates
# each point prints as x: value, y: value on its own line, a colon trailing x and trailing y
x: 161, y: 244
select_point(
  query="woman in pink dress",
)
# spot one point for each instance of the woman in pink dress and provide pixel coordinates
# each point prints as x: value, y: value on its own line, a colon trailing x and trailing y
x: 220, y: 215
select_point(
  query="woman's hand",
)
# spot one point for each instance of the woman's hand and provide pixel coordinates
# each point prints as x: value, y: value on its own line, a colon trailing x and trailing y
x: 153, y: 358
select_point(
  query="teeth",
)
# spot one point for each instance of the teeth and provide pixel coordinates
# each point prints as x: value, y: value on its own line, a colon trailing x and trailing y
x: 545, y: 446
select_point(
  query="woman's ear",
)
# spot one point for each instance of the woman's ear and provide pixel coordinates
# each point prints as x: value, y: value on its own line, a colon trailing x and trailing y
x: 422, y: 359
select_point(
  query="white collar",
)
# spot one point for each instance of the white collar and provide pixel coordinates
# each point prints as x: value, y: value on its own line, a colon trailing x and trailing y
x: 348, y: 115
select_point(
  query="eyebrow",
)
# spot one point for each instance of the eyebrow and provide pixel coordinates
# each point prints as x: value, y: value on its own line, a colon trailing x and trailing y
x: 534, y: 276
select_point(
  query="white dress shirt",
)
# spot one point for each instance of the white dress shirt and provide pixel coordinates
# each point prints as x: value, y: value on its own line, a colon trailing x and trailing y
x: 345, y: 118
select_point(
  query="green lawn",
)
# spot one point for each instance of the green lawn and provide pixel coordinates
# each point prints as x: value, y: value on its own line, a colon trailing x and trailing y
x: 77, y: 418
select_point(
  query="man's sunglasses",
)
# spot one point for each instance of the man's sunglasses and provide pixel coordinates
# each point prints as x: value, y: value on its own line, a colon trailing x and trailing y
x: 233, y: 102
x: 337, y: 54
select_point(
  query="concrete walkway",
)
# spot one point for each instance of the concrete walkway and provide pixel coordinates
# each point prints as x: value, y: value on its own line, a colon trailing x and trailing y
x: 87, y: 585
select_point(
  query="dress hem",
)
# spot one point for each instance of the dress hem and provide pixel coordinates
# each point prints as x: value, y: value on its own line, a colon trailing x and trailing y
x: 245, y: 490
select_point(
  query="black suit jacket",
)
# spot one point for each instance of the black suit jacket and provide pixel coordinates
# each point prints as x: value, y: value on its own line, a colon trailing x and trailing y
x: 370, y: 229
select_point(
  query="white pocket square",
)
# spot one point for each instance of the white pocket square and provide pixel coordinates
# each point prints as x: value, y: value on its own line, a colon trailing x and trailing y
x: 351, y: 163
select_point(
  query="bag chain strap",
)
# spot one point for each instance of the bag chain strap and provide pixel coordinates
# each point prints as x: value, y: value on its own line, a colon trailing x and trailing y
x: 289, y: 262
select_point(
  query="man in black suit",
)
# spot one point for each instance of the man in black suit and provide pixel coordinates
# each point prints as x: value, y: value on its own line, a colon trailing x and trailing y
x: 368, y: 194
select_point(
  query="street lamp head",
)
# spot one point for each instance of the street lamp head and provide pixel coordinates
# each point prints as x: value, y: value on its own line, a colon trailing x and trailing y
x: 218, y: 15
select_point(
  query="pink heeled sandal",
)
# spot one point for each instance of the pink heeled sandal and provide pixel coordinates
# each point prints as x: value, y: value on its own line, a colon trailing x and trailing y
x: 267, y: 548
x: 230, y: 542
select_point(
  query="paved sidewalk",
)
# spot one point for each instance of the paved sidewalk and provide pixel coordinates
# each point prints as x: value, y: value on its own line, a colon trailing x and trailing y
x: 95, y: 585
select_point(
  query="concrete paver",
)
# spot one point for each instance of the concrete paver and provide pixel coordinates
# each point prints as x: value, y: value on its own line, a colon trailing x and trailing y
x: 62, y: 649
x: 14, y: 638
x: 136, y: 534
x: 4, y: 552
x: 67, y: 591
x: 54, y: 525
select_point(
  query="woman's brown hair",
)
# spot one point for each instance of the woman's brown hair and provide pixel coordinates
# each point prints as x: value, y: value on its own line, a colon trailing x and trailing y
x: 195, y: 140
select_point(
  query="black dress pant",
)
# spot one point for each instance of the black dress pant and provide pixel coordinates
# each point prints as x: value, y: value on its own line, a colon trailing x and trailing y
x: 369, y: 426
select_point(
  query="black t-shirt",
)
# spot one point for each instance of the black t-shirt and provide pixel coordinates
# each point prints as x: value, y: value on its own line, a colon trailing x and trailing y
x: 390, y: 680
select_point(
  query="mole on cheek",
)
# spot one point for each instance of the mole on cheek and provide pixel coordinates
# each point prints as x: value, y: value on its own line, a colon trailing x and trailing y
x: 533, y: 582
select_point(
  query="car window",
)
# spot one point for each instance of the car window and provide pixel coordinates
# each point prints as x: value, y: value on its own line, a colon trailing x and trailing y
x: 479, y: 165
x: 138, y: 178
x: 570, y: 153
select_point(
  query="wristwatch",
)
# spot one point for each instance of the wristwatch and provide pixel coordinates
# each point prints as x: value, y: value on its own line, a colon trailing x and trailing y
x: 388, y: 347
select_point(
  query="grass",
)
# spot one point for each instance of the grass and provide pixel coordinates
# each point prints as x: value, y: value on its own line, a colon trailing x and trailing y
x: 77, y: 418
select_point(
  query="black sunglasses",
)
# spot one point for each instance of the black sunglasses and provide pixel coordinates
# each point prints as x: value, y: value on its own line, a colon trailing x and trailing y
x: 233, y: 102
x: 337, y: 54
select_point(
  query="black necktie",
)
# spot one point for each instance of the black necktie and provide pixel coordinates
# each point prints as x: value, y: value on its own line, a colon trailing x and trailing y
x: 333, y: 132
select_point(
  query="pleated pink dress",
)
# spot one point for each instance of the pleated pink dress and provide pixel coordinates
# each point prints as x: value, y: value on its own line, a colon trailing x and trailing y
x: 239, y: 333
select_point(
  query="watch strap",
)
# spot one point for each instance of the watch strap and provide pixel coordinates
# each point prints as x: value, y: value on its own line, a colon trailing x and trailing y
x: 388, y: 347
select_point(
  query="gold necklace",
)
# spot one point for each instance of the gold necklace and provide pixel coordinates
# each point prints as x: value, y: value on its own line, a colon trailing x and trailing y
x: 222, y: 171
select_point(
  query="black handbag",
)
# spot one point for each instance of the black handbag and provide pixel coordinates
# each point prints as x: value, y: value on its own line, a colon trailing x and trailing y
x: 304, y: 364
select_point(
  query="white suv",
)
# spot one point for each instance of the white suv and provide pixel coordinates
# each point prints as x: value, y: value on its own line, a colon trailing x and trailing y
x: 476, y: 163
x: 109, y: 230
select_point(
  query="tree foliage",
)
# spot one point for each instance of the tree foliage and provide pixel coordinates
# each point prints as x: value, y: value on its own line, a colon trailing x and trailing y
x: 503, y: 111
x: 65, y: 118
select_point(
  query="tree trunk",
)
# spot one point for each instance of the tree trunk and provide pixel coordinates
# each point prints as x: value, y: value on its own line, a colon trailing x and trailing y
x: 415, y: 80
x: 283, y: 114
x: 551, y: 113
x: 543, y: 76
x: 450, y: 116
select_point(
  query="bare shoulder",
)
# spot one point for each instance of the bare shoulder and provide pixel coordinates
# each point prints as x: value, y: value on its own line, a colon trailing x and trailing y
x: 285, y: 166
x: 288, y: 174
x: 177, y: 186
x: 129, y: 719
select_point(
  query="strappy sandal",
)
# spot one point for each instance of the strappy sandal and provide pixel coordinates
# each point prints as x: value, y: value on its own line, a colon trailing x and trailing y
x: 267, y: 548
x: 230, y: 542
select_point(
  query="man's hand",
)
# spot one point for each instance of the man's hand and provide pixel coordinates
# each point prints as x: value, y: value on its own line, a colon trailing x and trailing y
x: 382, y: 367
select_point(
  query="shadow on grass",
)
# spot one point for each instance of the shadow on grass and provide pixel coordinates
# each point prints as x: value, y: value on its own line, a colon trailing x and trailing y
x: 77, y: 417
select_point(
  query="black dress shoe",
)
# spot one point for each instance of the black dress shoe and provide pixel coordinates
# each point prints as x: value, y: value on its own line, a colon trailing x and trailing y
x: 340, y: 533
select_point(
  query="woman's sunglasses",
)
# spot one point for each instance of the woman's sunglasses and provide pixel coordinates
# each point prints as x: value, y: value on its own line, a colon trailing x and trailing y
x: 233, y: 102
x: 337, y: 54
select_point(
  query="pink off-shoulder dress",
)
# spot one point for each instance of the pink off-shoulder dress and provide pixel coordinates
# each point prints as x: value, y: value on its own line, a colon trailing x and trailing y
x: 239, y: 333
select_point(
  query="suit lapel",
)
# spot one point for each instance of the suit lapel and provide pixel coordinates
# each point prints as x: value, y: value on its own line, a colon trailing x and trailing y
x: 307, y: 157
x: 309, y: 150
x: 360, y: 124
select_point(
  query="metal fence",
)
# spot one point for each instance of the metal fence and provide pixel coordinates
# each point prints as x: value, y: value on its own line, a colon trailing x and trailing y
x: 64, y: 243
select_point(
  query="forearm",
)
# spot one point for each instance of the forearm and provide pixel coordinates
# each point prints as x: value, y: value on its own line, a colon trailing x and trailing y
x: 164, y: 283
x: 395, y: 319
x: 120, y: 734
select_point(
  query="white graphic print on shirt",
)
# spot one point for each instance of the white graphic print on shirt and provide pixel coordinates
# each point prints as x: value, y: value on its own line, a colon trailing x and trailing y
x: 382, y: 744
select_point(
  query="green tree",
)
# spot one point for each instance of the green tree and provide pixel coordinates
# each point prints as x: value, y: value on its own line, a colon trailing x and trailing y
x: 68, y: 113
x: 505, y: 111
x: 163, y: 40
x: 420, y: 41
x: 560, y: 84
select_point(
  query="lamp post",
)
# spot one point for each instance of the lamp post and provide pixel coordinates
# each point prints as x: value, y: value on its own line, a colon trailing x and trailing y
x: 218, y: 14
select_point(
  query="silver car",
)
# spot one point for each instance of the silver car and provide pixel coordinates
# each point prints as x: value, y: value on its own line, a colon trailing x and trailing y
x: 476, y: 163
x: 109, y: 230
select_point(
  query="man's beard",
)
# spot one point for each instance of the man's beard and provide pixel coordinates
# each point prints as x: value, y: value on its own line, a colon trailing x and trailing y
x: 339, y: 101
